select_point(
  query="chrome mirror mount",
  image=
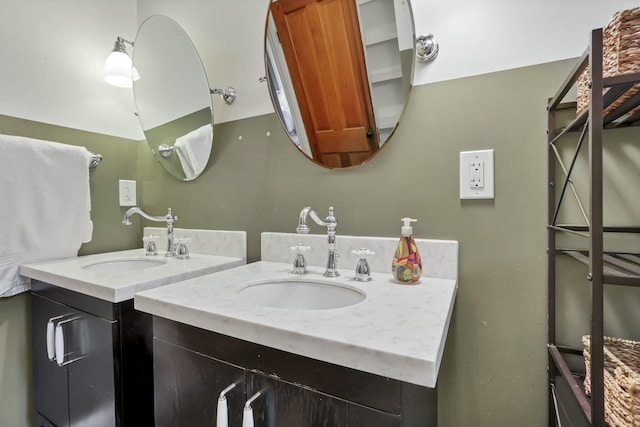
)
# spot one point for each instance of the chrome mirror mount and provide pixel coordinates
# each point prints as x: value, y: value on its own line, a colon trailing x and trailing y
x: 426, y: 48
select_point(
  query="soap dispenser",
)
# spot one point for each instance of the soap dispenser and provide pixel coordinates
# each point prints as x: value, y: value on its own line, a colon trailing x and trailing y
x: 407, y: 265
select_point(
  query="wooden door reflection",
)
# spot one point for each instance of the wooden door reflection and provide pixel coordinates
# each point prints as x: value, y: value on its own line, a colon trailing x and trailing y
x: 323, y: 49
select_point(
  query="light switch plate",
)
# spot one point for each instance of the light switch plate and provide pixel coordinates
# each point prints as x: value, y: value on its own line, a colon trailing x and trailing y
x: 476, y: 174
x: 127, y: 192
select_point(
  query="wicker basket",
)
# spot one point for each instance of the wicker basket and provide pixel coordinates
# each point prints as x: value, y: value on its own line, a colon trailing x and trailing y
x: 621, y: 380
x: 621, y: 55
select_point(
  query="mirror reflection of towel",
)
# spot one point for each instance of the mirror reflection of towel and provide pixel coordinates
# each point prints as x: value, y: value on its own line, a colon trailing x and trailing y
x: 193, y: 150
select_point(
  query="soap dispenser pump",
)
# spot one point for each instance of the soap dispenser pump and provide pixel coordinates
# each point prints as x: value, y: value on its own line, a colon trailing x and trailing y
x: 407, y: 264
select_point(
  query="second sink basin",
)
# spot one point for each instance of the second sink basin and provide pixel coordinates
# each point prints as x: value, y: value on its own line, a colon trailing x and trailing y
x: 123, y: 264
x: 301, y: 295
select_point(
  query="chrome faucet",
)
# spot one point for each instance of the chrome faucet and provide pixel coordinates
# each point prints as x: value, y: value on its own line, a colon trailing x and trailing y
x: 331, y: 223
x: 169, y: 218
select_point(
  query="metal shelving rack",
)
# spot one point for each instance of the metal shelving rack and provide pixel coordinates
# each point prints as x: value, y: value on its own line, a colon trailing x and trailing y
x: 605, y: 268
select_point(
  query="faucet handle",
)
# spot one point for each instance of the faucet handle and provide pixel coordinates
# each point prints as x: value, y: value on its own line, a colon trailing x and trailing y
x: 182, y: 252
x: 150, y: 245
x: 363, y: 252
x: 363, y: 271
x: 299, y: 262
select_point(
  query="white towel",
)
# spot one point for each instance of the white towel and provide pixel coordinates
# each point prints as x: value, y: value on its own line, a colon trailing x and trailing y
x: 45, y: 205
x: 193, y: 150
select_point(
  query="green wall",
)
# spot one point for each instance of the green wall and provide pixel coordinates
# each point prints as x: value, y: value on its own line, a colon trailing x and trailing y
x: 494, y: 368
x: 15, y: 360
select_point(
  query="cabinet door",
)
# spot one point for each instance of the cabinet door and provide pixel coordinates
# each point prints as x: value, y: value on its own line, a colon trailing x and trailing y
x: 77, y: 387
x: 50, y: 381
x: 187, y: 386
x: 291, y: 405
x: 92, y: 371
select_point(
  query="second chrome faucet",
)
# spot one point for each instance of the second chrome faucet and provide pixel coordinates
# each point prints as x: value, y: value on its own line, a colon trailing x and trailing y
x: 331, y: 223
x: 168, y: 218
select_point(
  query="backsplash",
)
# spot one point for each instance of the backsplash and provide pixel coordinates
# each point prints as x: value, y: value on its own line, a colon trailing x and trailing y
x: 205, y: 242
x: 439, y: 257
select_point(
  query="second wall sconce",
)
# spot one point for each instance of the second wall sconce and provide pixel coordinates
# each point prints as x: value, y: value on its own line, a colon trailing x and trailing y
x: 426, y: 48
x: 118, y: 68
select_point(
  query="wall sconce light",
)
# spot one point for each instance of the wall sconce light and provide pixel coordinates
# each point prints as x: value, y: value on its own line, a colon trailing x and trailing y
x: 118, y: 68
x: 426, y: 48
x: 228, y: 94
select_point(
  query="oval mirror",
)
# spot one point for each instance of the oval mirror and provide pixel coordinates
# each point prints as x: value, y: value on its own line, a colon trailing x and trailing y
x: 172, y: 97
x: 339, y: 74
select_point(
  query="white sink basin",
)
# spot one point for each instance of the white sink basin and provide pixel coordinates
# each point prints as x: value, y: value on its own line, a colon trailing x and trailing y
x: 123, y: 264
x: 299, y: 294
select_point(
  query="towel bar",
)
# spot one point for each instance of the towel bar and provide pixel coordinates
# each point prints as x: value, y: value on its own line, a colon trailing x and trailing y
x: 95, y: 159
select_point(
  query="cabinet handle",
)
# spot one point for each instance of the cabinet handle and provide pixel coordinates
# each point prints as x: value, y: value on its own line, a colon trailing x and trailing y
x: 222, y: 419
x: 51, y: 350
x: 59, y: 342
x: 247, y: 414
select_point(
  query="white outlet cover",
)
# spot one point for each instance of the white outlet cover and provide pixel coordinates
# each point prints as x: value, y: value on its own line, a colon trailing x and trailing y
x: 467, y: 188
x: 127, y: 192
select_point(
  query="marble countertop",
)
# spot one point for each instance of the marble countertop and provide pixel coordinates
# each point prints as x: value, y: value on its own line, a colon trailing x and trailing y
x: 398, y: 331
x: 118, y: 286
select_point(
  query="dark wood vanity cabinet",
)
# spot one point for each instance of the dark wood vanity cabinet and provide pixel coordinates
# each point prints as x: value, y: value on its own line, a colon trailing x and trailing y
x: 101, y: 373
x: 192, y: 366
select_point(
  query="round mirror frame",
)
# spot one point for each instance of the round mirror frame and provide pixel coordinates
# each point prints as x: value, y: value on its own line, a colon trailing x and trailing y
x: 172, y: 97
